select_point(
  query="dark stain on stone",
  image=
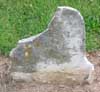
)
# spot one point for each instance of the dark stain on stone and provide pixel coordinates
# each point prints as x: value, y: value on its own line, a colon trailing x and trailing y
x: 61, y: 57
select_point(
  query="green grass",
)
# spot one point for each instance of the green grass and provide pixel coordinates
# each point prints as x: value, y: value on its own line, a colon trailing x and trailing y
x: 24, y: 18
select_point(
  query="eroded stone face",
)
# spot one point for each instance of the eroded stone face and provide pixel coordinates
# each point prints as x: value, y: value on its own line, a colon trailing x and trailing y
x: 60, y: 48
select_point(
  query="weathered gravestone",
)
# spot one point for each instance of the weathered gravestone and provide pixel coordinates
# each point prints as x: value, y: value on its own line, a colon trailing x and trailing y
x: 56, y: 53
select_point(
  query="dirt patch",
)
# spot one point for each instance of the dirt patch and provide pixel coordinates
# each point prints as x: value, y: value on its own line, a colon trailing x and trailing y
x: 94, y: 57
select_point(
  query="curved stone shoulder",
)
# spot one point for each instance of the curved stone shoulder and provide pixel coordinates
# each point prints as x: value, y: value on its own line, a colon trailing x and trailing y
x: 73, y: 10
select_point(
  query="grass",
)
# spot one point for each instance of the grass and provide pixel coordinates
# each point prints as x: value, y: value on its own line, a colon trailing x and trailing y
x: 24, y: 18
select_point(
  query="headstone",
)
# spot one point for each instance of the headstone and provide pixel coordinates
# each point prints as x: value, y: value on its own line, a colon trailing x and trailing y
x: 58, y: 51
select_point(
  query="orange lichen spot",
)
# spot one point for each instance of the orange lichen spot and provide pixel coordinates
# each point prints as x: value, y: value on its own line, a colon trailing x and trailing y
x: 27, y: 46
x: 26, y: 54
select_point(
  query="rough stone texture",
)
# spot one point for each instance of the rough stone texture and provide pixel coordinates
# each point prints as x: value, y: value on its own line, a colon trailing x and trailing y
x: 58, y: 49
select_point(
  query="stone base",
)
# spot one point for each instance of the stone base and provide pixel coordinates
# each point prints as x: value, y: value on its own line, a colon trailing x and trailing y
x: 68, y: 78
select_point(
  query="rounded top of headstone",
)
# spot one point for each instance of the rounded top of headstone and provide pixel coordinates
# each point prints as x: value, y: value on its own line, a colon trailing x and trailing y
x: 65, y: 16
x: 67, y: 7
x: 69, y: 10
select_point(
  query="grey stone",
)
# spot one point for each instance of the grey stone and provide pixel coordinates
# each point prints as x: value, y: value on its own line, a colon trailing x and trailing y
x: 21, y: 77
x: 60, y: 48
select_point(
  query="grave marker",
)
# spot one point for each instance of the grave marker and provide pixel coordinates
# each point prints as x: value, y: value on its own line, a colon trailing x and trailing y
x: 60, y: 48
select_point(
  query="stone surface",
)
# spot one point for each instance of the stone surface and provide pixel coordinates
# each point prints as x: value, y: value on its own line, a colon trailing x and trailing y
x: 60, y: 48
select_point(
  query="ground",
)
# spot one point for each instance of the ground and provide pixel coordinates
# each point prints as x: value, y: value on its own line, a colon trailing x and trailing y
x: 94, y: 57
